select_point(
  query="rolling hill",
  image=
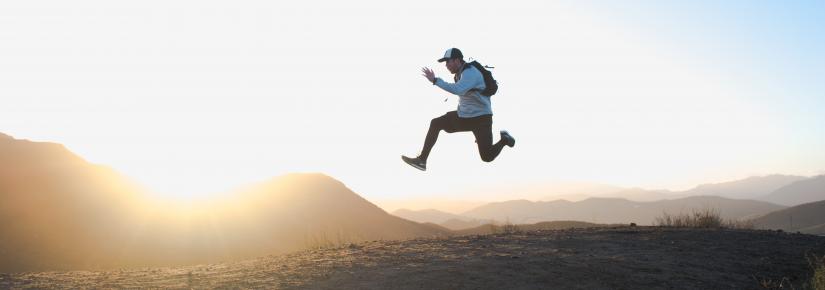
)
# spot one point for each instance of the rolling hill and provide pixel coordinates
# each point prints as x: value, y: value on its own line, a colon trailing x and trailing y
x: 427, y: 215
x: 460, y: 224
x: 447, y: 220
x: 800, y: 192
x: 807, y: 218
x: 754, y: 188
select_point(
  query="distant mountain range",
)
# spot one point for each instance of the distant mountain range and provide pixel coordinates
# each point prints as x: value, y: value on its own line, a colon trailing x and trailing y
x: 756, y: 188
x: 614, y: 210
x: 60, y: 212
x: 445, y: 219
x: 753, y: 193
x: 593, y: 210
x: 786, y: 190
x: 800, y: 192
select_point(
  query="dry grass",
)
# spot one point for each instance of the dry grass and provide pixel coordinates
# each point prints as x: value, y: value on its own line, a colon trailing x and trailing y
x: 818, y: 278
x: 739, y: 224
x: 705, y: 218
x: 507, y: 228
x: 334, y: 240
x: 817, y: 281
x: 783, y: 283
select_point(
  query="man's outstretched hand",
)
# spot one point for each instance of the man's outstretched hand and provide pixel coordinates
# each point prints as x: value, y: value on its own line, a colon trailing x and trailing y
x: 429, y: 74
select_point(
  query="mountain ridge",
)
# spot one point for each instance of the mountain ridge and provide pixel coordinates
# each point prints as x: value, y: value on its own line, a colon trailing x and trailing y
x: 806, y: 218
x: 800, y: 192
x: 70, y: 214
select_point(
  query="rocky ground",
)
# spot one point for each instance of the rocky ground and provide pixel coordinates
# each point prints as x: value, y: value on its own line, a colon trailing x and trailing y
x: 600, y: 258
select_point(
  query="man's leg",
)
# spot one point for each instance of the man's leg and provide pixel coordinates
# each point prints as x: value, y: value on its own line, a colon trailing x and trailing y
x: 446, y: 123
x: 483, y: 132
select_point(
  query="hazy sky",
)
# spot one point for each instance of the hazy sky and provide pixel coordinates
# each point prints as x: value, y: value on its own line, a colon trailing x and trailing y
x: 194, y: 97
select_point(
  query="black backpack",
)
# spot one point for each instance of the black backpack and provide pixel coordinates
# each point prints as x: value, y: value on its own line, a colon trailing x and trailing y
x: 490, y: 84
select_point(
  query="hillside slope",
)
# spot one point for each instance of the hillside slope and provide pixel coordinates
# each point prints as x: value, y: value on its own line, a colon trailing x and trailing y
x: 619, y: 258
x: 800, y: 192
x: 807, y: 218
x: 749, y: 188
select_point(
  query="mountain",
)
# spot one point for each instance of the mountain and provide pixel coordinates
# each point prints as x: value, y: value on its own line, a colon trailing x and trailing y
x: 444, y: 219
x: 457, y: 224
x: 421, y: 203
x: 749, y: 188
x: 427, y: 215
x: 60, y: 212
x: 803, y: 191
x: 570, y: 191
x: 638, y: 194
x: 519, y: 211
x: 615, y: 210
x: 319, y: 202
x: 807, y: 218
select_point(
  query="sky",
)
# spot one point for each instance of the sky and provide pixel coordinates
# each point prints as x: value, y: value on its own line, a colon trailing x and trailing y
x: 196, y: 98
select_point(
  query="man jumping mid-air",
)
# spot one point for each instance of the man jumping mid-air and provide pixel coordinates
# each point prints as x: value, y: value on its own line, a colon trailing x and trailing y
x: 474, y: 113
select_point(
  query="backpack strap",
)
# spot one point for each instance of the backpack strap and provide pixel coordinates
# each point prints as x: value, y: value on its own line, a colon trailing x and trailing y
x: 457, y: 76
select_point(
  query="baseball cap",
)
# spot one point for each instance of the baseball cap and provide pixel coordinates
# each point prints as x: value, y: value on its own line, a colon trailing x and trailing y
x: 451, y: 54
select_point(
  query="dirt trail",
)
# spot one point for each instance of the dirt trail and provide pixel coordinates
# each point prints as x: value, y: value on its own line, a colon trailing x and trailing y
x: 617, y: 258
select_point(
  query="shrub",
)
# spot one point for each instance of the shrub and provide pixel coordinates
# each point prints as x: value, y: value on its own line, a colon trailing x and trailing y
x: 740, y: 224
x: 507, y: 228
x: 705, y: 218
x: 818, y: 279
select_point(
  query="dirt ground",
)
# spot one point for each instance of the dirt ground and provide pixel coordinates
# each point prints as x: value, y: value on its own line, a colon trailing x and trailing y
x: 606, y: 258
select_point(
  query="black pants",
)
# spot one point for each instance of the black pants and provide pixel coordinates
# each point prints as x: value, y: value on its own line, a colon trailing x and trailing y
x: 481, y: 126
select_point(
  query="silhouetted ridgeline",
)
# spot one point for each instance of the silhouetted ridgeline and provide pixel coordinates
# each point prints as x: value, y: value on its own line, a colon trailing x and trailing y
x: 61, y: 212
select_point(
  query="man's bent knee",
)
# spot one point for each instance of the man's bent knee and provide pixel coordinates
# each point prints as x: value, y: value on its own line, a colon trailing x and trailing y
x: 438, y: 124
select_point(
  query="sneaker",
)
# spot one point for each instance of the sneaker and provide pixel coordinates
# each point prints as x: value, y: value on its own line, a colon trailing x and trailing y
x: 415, y: 162
x: 508, y: 139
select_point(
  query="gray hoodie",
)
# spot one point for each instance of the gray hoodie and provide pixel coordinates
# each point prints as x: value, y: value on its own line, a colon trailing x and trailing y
x: 468, y: 87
